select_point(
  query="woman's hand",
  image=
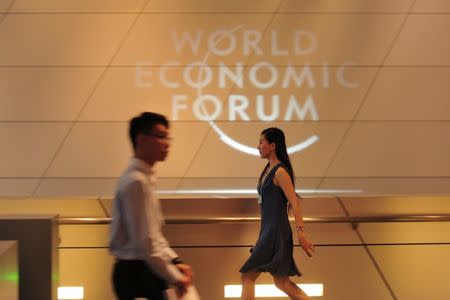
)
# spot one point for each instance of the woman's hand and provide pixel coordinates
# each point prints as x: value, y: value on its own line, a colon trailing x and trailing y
x: 306, y: 245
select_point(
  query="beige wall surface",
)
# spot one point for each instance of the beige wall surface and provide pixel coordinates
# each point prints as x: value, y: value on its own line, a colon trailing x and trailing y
x: 373, y: 260
x: 341, y: 264
x: 359, y: 87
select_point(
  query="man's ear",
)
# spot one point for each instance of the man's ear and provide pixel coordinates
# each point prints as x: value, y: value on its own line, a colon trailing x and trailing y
x: 140, y: 139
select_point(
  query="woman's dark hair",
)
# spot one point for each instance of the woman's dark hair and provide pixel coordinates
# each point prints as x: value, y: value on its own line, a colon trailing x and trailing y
x: 276, y: 135
x: 143, y: 124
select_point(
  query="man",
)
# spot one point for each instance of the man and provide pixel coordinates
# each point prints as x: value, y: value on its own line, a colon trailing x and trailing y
x: 145, y: 263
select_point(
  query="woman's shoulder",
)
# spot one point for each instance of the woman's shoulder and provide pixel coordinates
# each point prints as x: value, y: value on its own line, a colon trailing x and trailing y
x: 281, y: 166
x: 281, y: 169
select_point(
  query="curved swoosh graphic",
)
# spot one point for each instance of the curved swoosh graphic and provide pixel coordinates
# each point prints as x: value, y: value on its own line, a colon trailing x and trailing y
x: 232, y: 142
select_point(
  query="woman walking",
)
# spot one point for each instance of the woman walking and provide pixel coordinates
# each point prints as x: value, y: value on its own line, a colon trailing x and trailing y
x: 273, y: 251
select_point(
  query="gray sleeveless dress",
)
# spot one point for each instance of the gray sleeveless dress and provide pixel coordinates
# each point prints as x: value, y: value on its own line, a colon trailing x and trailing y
x: 273, y: 250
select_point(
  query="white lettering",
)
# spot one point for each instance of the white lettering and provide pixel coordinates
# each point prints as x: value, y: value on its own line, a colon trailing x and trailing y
x: 298, y: 78
x: 223, y: 42
x: 262, y: 75
x: 273, y: 75
x: 341, y: 79
x: 260, y: 101
x: 251, y: 41
x: 325, y: 76
x: 178, y: 102
x: 293, y: 106
x: 236, y: 77
x: 201, y: 112
x: 187, y: 38
x: 275, y: 50
x: 237, y: 106
x: 208, y: 107
x: 216, y: 38
x: 162, y: 76
x: 141, y: 76
x: 298, y: 50
x: 199, y: 82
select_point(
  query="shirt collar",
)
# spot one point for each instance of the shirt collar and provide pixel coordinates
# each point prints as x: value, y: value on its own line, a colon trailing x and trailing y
x: 141, y: 165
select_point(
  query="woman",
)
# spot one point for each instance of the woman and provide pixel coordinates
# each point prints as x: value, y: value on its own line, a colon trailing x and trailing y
x: 273, y: 250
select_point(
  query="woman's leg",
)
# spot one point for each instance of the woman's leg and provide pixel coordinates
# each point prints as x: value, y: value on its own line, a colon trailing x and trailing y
x: 248, y: 285
x: 290, y: 288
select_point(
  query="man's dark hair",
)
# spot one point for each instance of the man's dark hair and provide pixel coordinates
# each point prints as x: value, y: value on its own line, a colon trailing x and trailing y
x: 143, y: 124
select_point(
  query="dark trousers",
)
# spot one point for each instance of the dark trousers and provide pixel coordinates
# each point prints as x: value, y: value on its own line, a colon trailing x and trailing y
x: 134, y: 279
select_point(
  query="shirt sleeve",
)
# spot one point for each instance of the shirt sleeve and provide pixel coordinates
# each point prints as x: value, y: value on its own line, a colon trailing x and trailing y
x: 136, y: 218
x: 142, y: 238
x: 168, y: 252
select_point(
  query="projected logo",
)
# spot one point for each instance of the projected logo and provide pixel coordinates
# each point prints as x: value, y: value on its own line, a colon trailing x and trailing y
x: 263, y: 77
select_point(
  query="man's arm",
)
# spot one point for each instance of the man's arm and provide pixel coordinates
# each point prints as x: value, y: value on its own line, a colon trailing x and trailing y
x: 138, y: 227
x: 134, y: 206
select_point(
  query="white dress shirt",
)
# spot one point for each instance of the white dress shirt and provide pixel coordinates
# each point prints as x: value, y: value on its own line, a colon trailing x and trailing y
x: 137, y: 220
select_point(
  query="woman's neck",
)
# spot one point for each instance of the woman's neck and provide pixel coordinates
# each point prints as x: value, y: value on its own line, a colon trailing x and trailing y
x: 273, y: 160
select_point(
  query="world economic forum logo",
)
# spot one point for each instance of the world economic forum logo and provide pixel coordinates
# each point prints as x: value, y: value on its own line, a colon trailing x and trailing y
x: 261, y: 76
